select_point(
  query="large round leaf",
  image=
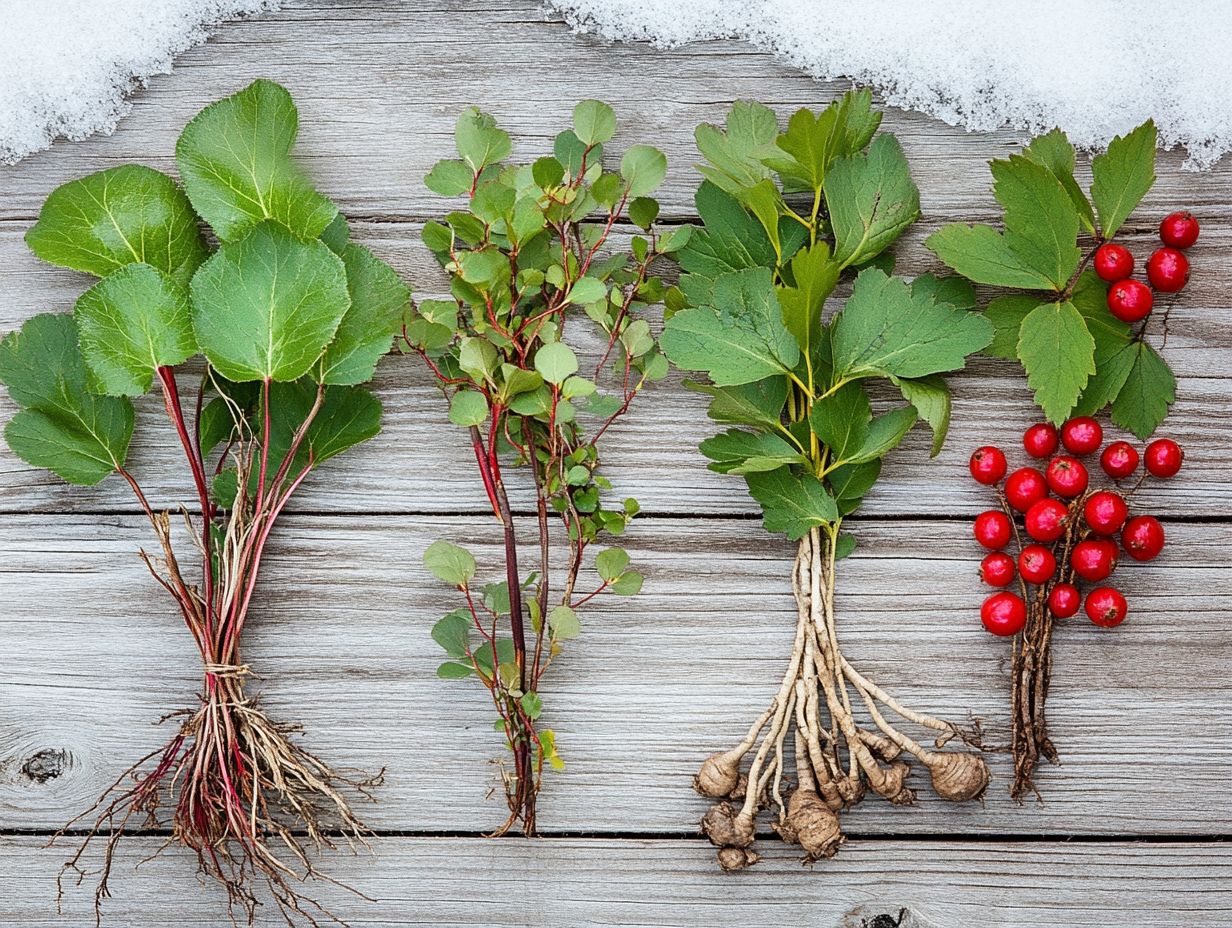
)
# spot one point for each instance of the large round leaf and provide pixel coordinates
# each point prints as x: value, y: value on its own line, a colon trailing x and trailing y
x: 130, y: 323
x: 235, y: 159
x: 117, y: 217
x: 378, y: 302
x: 265, y: 307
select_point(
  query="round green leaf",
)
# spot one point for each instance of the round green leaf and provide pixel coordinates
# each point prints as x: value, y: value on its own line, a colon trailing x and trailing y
x: 563, y: 623
x: 117, y: 217
x: 131, y: 322
x: 593, y: 122
x: 266, y: 307
x: 450, y: 563
x: 556, y: 361
x: 467, y: 408
x: 611, y: 563
x: 643, y: 167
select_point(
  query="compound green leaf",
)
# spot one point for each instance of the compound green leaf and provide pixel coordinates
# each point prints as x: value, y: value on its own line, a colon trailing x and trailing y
x: 792, y: 503
x: 734, y: 152
x: 1058, y: 352
x: 235, y: 159
x: 759, y: 403
x: 840, y: 421
x: 121, y: 216
x: 266, y: 306
x: 739, y: 452
x: 1122, y: 175
x: 130, y: 323
x: 1054, y: 151
x: 871, y: 199
x: 1149, y: 390
x: 1006, y: 314
x: 1041, y: 221
x: 982, y: 254
x: 731, y: 238
x: 931, y: 399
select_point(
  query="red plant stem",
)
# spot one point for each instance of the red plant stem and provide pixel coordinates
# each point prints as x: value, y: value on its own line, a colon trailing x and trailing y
x: 481, y: 458
x: 265, y: 443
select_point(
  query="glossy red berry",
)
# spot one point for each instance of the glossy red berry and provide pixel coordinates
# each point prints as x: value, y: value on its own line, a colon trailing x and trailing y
x: 1081, y: 435
x: 1167, y: 270
x: 1004, y: 614
x: 1179, y: 229
x: 1105, y: 512
x: 1037, y: 564
x: 1041, y: 440
x: 1093, y: 560
x: 1025, y: 487
x: 997, y: 569
x: 993, y: 529
x: 1064, y: 600
x: 1067, y: 477
x: 1143, y: 538
x: 1164, y: 458
x: 1046, y: 520
x: 1106, y: 607
x: 1113, y: 262
x: 1119, y: 460
x: 988, y: 465
x: 1130, y: 300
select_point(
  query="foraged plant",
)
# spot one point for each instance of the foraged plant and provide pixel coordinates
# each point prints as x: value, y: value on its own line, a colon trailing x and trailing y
x: 1073, y: 334
x: 531, y: 252
x: 1071, y: 531
x: 749, y: 313
x: 278, y: 325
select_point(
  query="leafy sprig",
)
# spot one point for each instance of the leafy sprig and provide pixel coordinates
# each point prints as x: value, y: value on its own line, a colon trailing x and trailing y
x: 1078, y: 357
x: 527, y: 257
x: 279, y: 324
x: 749, y: 312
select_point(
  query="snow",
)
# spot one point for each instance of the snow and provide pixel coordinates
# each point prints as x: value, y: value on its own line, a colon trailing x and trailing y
x: 67, y: 66
x: 1095, y: 68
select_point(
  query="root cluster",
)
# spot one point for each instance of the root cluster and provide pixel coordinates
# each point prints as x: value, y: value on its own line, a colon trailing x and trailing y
x: 837, y: 760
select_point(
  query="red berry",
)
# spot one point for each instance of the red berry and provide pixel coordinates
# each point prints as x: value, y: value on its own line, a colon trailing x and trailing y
x: 1130, y: 300
x: 1113, y: 262
x: 997, y: 569
x: 1064, y: 600
x: 1167, y: 270
x: 1093, y: 560
x: 1180, y: 229
x: 1025, y: 487
x: 988, y: 465
x: 1164, y: 458
x: 1081, y: 435
x: 1036, y: 564
x: 993, y: 529
x: 1004, y: 614
x: 1106, y: 607
x: 1106, y: 512
x: 1067, y: 477
x: 1046, y: 520
x: 1119, y: 460
x: 1143, y: 538
x: 1041, y: 440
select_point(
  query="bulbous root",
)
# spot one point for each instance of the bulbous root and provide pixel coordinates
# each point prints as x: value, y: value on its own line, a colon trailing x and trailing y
x: 838, y: 755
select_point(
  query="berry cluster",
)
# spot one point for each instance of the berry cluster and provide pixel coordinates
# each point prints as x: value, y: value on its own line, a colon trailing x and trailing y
x: 1167, y: 269
x: 1071, y: 529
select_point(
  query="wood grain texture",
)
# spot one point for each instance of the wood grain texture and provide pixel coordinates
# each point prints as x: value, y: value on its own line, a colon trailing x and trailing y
x: 341, y: 637
x: 673, y: 884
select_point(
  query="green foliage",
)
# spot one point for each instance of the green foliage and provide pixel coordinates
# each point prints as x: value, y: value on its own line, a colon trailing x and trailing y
x: 751, y: 310
x: 1079, y: 359
x: 530, y: 258
x: 308, y: 319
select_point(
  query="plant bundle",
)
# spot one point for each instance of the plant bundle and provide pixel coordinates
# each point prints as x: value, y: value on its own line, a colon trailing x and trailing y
x: 278, y: 326
x: 531, y: 253
x: 1073, y: 334
x: 786, y: 215
x: 1066, y: 533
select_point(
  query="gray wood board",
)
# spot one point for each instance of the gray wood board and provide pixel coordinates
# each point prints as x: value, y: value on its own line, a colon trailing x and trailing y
x: 341, y: 638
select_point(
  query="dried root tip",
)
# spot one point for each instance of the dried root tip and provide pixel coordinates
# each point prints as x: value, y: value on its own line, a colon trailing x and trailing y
x: 830, y: 793
x: 850, y: 791
x: 891, y: 784
x: 814, y: 824
x: 959, y: 775
x: 725, y: 828
x: 719, y: 776
x: 737, y: 858
x: 882, y: 747
x: 738, y: 791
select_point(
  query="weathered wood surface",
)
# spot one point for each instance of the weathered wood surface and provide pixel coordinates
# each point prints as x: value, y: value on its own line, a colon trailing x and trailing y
x: 569, y: 882
x: 93, y: 656
x: 655, y: 684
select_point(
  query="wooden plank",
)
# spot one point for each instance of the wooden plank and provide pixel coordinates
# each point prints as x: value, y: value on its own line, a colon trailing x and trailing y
x: 379, y: 85
x: 421, y: 463
x: 565, y: 883
x: 341, y: 637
